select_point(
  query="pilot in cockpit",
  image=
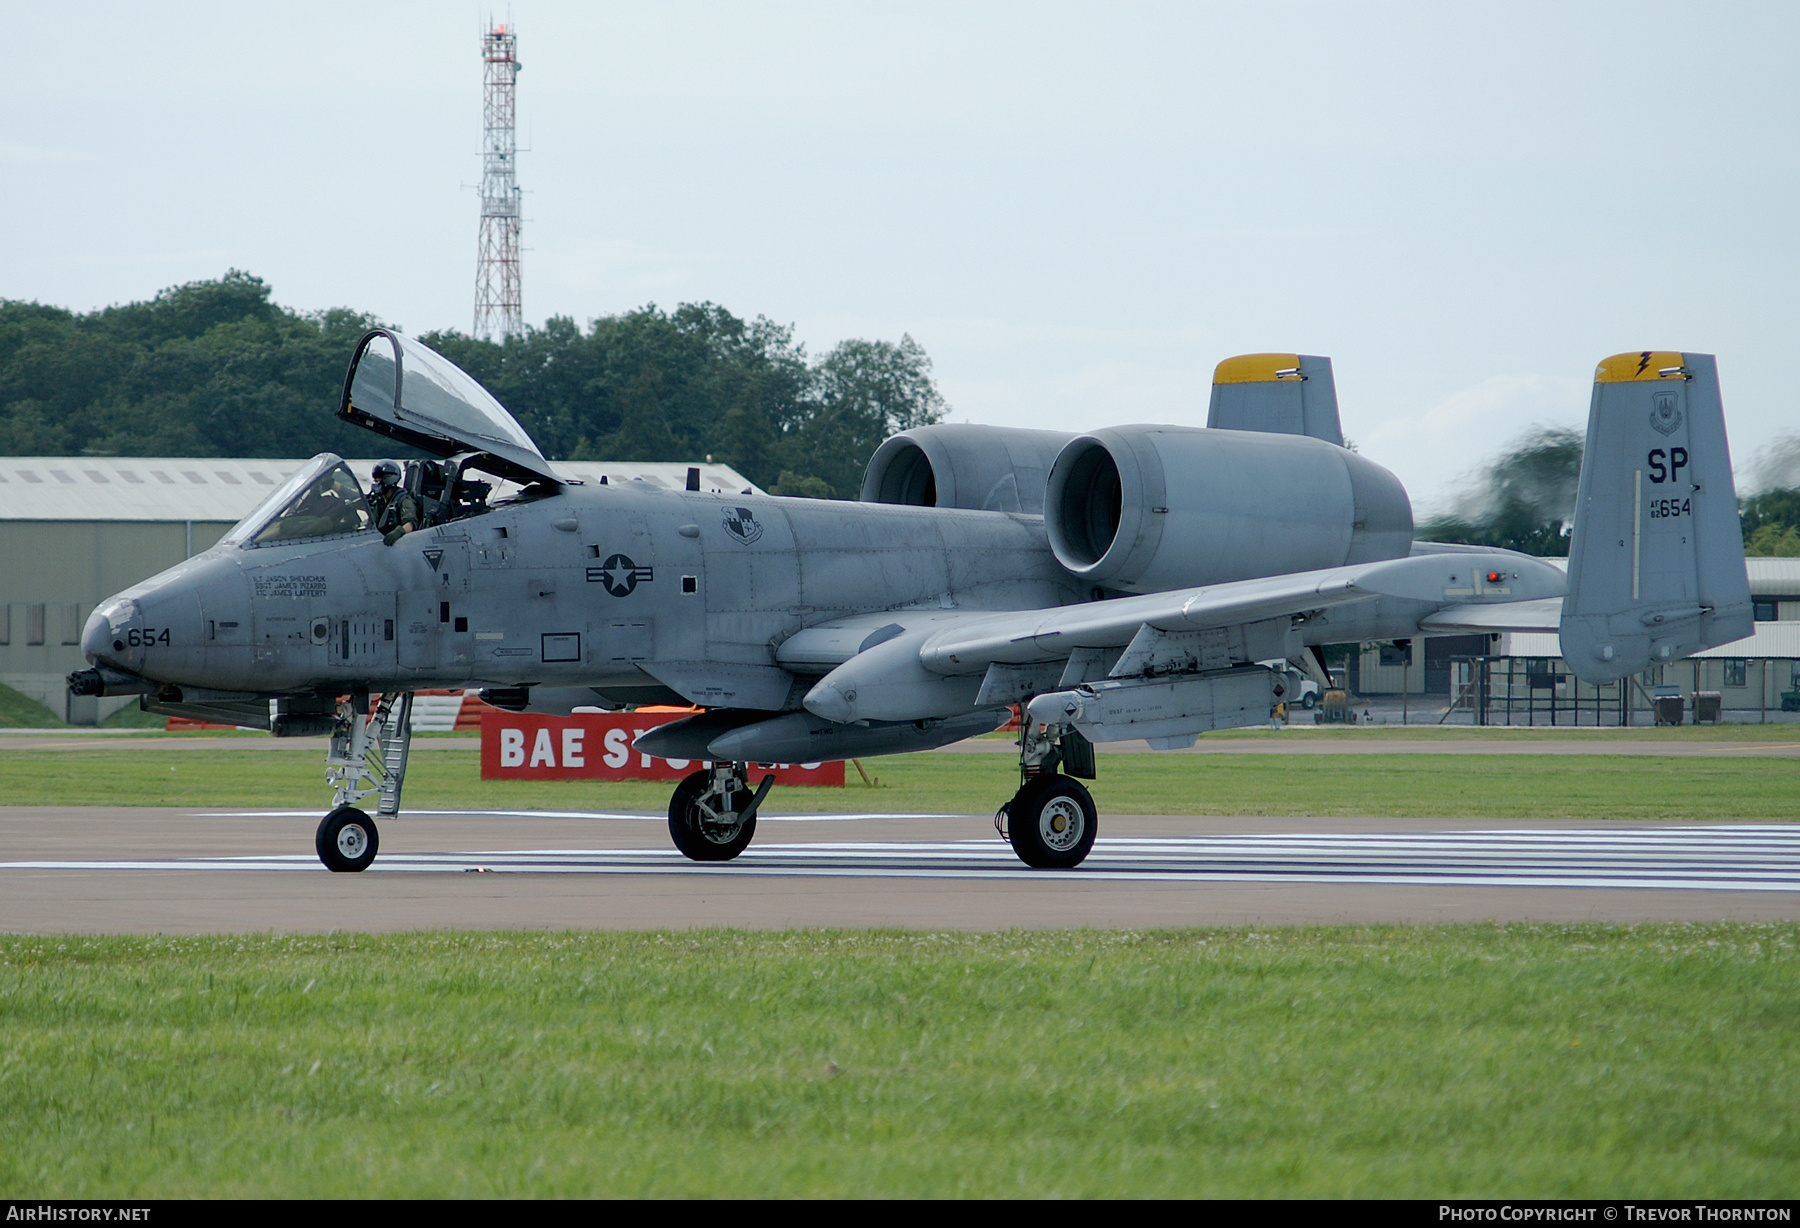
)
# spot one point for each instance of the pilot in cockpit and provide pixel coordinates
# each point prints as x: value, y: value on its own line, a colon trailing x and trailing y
x: 396, y: 512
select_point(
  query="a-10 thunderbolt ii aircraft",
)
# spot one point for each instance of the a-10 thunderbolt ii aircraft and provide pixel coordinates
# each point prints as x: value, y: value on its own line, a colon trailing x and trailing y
x: 1134, y: 582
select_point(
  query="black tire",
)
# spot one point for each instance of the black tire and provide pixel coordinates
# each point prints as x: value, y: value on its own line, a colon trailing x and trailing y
x: 1310, y: 701
x: 695, y: 833
x: 1051, y: 822
x: 347, y: 841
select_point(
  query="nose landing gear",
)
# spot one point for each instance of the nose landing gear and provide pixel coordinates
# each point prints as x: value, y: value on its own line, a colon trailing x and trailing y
x: 368, y: 757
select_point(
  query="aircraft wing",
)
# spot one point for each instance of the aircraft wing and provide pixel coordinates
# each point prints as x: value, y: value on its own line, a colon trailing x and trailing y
x: 1045, y: 635
x: 1024, y: 637
x: 964, y: 641
x: 909, y: 665
x: 958, y: 642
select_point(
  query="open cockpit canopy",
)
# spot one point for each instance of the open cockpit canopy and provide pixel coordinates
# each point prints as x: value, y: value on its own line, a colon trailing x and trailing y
x: 399, y: 388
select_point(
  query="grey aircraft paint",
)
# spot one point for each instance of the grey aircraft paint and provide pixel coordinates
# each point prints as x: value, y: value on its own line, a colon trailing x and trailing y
x: 1171, y: 576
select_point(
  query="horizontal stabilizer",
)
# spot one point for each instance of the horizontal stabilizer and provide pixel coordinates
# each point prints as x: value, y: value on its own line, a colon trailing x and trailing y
x: 1656, y: 563
x: 1544, y: 614
x: 1282, y: 394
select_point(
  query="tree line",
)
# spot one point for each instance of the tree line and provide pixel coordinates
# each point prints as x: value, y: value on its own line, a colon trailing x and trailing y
x: 1525, y: 500
x: 216, y: 368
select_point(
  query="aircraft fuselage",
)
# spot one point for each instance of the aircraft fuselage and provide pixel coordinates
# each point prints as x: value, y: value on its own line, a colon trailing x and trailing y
x: 583, y: 587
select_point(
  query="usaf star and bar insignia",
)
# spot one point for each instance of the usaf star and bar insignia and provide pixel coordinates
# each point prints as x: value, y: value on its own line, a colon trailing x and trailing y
x: 620, y: 575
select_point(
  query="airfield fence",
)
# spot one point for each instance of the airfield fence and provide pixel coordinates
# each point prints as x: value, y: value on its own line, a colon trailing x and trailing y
x: 1537, y: 691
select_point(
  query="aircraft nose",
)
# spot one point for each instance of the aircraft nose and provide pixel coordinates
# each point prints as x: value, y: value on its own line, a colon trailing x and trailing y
x: 104, y: 637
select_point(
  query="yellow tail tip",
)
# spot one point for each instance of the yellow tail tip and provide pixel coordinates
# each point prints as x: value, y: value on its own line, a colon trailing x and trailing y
x: 1641, y: 365
x: 1257, y: 369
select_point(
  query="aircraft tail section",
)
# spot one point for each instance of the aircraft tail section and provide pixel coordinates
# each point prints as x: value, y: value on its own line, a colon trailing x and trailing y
x: 1284, y: 394
x: 1656, y: 565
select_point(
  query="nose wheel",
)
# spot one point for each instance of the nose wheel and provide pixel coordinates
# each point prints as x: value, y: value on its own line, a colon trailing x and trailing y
x: 347, y: 840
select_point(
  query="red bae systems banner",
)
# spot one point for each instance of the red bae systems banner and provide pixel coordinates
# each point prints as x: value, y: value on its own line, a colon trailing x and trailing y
x: 597, y: 746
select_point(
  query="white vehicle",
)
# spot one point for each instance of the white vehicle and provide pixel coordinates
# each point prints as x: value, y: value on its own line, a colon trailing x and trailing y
x: 1306, y: 693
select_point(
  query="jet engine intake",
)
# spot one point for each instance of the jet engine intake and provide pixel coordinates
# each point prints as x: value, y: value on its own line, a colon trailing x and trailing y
x: 976, y: 468
x: 1147, y: 508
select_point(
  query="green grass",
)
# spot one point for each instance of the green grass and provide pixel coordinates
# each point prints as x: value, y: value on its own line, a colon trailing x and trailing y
x: 445, y: 774
x: 22, y: 712
x: 1439, y: 1062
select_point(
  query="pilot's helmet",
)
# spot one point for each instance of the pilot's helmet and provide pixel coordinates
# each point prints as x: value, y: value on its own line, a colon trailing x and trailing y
x: 387, y: 473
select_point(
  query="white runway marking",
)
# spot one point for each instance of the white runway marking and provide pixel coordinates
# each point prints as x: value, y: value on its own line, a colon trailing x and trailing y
x: 1738, y: 857
x: 628, y: 816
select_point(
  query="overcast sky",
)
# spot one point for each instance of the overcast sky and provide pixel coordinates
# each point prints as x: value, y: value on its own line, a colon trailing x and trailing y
x: 1077, y: 209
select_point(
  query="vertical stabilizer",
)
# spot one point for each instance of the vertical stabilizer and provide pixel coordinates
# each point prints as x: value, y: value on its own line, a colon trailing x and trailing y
x: 1656, y: 566
x: 1284, y: 394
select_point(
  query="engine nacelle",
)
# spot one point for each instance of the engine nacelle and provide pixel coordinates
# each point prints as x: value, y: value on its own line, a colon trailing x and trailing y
x: 977, y: 468
x: 1148, y: 508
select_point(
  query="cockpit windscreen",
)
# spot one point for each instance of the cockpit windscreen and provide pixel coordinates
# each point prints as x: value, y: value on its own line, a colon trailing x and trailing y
x: 320, y: 500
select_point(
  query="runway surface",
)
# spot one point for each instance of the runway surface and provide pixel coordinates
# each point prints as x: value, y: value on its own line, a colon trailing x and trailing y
x: 1296, y: 741
x: 211, y: 871
x: 1721, y: 858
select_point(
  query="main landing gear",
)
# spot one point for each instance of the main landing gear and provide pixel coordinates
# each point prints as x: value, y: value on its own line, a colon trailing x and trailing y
x: 368, y: 758
x: 712, y: 816
x: 1051, y: 821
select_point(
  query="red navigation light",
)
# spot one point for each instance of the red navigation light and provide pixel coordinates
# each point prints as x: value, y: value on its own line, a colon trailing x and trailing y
x: 1494, y: 577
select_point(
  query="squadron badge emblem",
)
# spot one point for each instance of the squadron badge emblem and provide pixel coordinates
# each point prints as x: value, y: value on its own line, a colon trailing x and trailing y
x: 1665, y: 414
x: 742, y: 524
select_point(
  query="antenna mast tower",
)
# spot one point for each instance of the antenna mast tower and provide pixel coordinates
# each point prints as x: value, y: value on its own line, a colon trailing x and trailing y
x: 499, y: 313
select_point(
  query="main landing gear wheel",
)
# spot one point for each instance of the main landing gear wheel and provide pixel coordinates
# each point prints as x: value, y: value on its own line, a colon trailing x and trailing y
x: 707, y: 823
x: 347, y: 840
x: 1051, y: 822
